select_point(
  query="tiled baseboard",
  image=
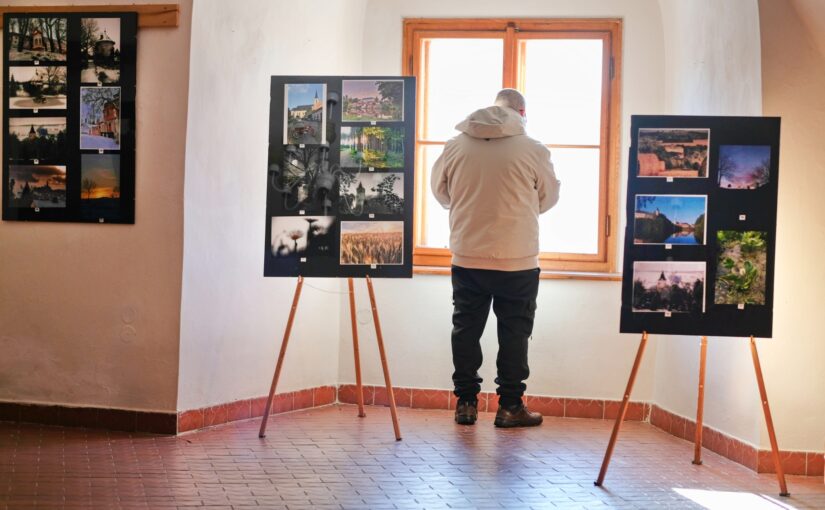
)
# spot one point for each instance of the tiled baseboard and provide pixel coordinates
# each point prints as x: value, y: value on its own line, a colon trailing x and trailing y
x: 164, y: 423
x: 252, y: 408
x: 761, y: 461
x: 548, y: 406
x: 89, y: 417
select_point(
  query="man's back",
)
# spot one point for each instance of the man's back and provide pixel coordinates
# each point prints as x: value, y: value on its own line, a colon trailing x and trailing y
x: 496, y: 181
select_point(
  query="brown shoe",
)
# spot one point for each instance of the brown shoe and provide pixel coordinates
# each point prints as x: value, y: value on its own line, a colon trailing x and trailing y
x: 517, y: 417
x: 466, y: 413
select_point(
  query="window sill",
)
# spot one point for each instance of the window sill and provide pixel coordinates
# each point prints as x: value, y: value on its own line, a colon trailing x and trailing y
x: 545, y: 275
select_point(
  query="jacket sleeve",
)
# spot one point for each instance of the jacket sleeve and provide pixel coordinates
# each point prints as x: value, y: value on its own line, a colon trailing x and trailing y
x: 546, y: 183
x: 438, y: 181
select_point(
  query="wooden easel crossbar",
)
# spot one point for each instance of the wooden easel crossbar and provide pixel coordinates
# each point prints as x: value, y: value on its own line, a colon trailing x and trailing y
x: 697, y: 456
x: 356, y: 352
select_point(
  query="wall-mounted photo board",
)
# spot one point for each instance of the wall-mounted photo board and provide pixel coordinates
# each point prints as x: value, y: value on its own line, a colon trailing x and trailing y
x: 340, y: 177
x: 69, y: 117
x: 701, y: 226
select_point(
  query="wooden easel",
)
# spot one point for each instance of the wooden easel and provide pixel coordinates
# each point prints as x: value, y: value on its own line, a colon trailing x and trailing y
x: 697, y: 456
x: 359, y: 386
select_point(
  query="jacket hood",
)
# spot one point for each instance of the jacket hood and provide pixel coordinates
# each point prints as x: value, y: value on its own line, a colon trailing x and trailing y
x: 492, y: 122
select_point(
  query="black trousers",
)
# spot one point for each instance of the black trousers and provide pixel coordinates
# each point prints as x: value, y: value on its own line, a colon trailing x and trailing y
x: 513, y: 296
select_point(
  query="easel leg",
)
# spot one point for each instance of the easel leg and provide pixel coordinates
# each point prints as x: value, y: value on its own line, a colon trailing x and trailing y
x: 277, y: 375
x: 700, y: 406
x: 763, y: 394
x: 622, y: 410
x: 359, y: 388
x: 390, y: 395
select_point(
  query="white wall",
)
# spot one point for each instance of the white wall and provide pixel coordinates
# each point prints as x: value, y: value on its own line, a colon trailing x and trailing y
x: 713, y: 69
x: 793, y: 73
x: 90, y: 314
x: 576, y: 350
x: 232, y: 318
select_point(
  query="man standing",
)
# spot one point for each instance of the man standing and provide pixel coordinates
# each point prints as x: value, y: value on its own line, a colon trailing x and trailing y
x: 495, y: 180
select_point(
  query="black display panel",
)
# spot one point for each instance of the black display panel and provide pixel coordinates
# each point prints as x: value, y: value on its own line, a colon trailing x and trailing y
x: 340, y: 181
x: 69, y: 117
x: 701, y: 226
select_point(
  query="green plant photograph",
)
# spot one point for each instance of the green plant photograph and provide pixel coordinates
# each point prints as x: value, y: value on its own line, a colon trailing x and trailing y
x: 741, y: 267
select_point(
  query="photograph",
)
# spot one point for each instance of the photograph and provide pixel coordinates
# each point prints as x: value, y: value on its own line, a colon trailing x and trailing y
x: 661, y: 286
x: 305, y: 120
x: 372, y: 193
x: 302, y: 236
x: 744, y: 166
x: 670, y: 219
x: 372, y: 147
x: 38, y: 87
x: 372, y: 242
x: 741, y: 267
x: 304, y: 180
x: 100, y: 50
x: 40, y: 138
x: 33, y: 39
x: 100, y: 118
x: 373, y: 100
x: 100, y: 184
x: 673, y: 152
x: 37, y: 186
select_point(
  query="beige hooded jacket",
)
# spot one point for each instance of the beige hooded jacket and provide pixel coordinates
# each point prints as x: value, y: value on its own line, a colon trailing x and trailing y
x: 495, y: 180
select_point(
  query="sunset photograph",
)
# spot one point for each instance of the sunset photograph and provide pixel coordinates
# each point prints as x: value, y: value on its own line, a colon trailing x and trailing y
x: 37, y: 186
x: 100, y: 183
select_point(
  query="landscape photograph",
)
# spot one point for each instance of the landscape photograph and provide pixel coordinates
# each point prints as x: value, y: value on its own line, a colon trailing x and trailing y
x: 35, y: 39
x: 37, y: 87
x: 100, y: 184
x: 100, y: 50
x: 305, y: 113
x: 100, y: 118
x: 305, y: 182
x: 663, y: 286
x: 373, y: 100
x: 37, y: 138
x: 372, y: 242
x: 744, y: 166
x: 673, y: 152
x: 669, y: 219
x: 373, y: 147
x: 741, y: 267
x: 372, y: 193
x: 301, y: 236
x: 37, y: 186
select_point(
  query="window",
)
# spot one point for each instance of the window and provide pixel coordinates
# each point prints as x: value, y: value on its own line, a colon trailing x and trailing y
x: 568, y: 71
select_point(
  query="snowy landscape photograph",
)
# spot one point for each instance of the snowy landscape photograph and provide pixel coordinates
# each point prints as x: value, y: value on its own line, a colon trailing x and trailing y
x: 34, y: 39
x: 37, y: 186
x: 100, y: 50
x: 100, y: 118
x: 38, y: 87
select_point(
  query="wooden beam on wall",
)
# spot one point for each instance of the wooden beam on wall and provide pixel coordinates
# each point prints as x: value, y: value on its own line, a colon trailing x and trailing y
x: 149, y: 15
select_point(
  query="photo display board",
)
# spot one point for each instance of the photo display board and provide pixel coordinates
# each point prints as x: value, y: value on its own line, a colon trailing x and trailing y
x: 340, y: 179
x: 701, y: 226
x: 69, y: 117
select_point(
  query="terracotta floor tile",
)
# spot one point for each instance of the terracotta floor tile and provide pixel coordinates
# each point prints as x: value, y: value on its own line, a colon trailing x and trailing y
x: 329, y: 458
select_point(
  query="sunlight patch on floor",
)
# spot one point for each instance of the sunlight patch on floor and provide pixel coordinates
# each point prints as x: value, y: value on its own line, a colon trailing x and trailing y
x: 722, y: 500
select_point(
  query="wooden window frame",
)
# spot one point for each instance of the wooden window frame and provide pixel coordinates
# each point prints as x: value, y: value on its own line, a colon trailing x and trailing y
x: 602, y: 265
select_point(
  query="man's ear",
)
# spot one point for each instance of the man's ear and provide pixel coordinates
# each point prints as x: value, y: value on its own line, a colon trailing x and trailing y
x: 523, y: 112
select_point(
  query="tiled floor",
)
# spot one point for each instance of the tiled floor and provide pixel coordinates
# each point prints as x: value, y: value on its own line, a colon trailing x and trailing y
x: 329, y: 458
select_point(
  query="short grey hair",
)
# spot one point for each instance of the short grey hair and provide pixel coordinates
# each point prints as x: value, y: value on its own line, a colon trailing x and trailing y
x: 511, y: 98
